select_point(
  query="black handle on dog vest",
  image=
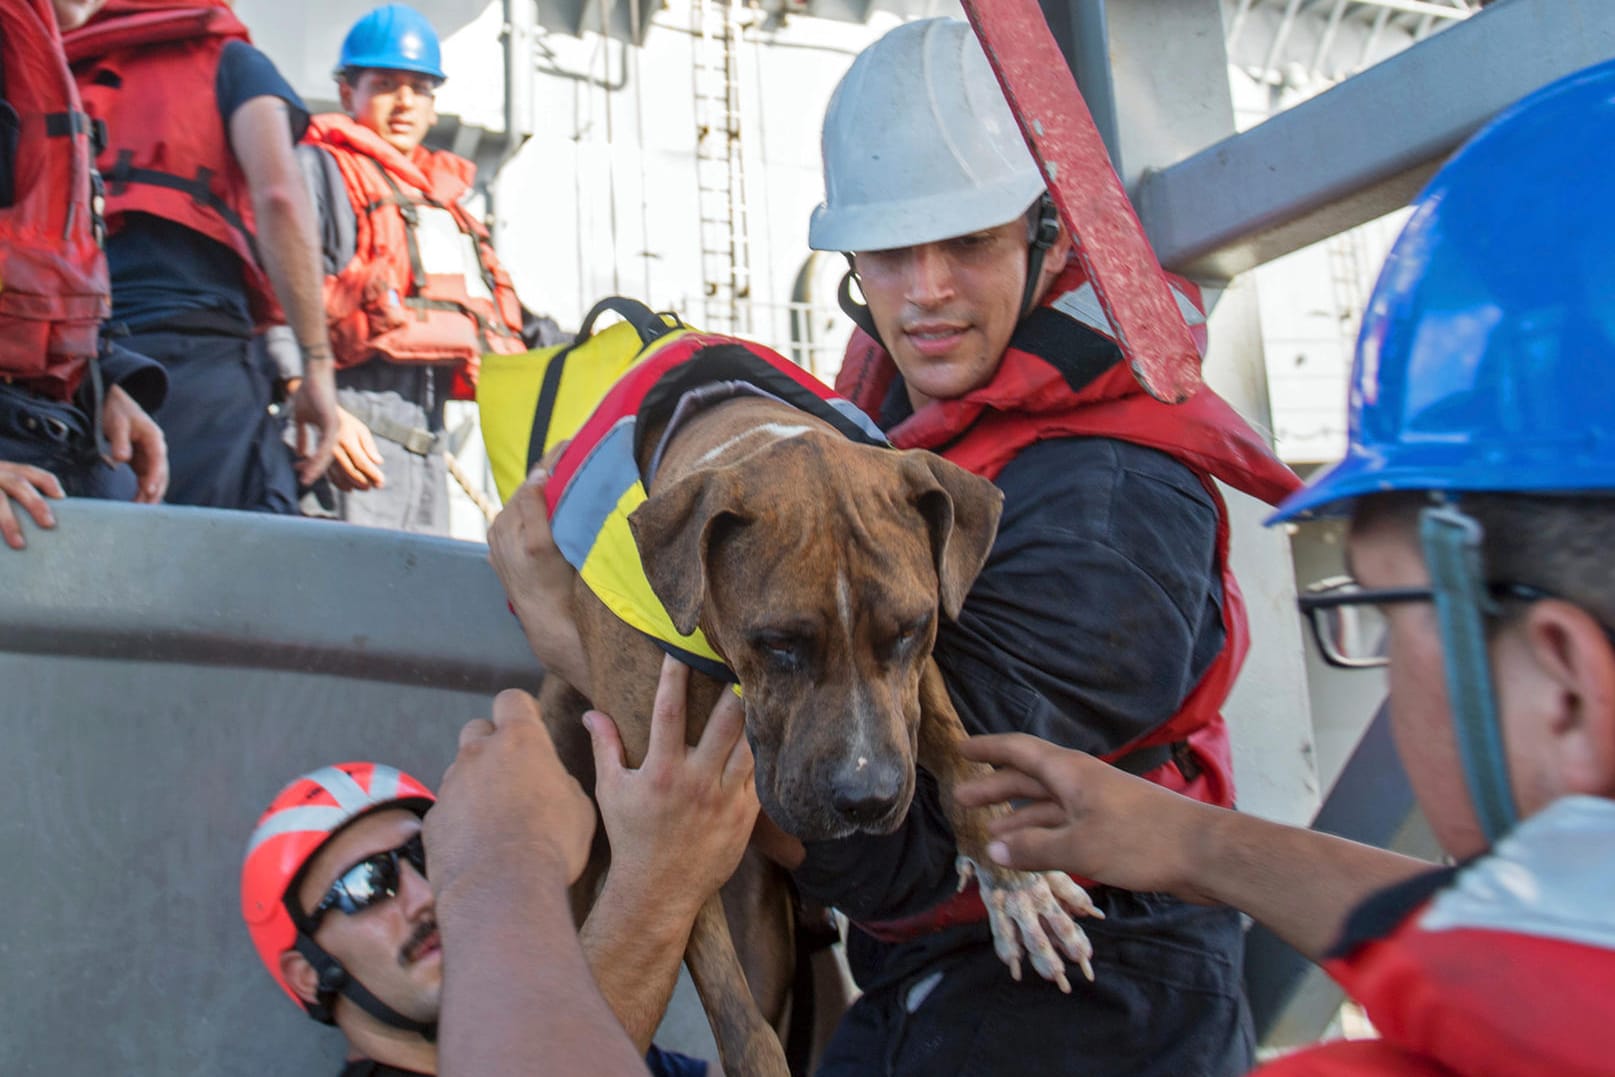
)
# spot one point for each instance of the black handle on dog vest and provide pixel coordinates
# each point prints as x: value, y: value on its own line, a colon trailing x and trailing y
x: 646, y: 322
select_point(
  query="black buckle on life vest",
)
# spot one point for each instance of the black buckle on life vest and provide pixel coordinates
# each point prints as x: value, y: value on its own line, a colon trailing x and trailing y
x: 202, y: 188
x: 68, y: 124
x: 123, y: 168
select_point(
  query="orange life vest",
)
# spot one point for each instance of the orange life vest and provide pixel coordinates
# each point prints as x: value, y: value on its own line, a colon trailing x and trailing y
x: 147, y: 69
x: 383, y: 302
x: 53, y: 276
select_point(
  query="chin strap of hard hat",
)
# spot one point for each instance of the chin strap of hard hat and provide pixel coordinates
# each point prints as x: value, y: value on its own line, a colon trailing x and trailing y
x: 858, y: 312
x: 335, y: 980
x: 1045, y: 230
x: 1451, y: 542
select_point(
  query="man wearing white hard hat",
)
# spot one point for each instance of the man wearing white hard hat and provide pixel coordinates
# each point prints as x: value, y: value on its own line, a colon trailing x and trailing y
x: 1107, y: 617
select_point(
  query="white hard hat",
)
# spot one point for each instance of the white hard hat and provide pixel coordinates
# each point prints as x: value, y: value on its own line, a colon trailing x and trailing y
x: 919, y: 145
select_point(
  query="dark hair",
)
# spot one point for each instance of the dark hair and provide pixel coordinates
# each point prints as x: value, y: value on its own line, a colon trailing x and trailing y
x: 1561, y: 544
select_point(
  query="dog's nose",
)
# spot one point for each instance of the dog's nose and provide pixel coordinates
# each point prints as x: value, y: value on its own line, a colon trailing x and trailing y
x: 864, y: 791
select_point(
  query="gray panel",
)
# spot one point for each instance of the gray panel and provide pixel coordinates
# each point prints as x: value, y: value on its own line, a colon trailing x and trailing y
x: 156, y: 689
x: 1365, y: 147
x: 132, y: 788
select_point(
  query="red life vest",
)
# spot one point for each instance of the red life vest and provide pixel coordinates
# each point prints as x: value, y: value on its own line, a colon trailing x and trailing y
x: 54, y: 292
x: 1054, y: 382
x: 147, y: 69
x: 1507, y: 972
x: 383, y: 302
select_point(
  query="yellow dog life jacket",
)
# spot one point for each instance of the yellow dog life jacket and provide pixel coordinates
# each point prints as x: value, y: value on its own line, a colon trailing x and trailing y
x: 594, y: 393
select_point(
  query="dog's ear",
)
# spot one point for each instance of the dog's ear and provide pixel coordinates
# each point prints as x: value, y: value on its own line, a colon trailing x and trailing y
x: 962, y: 511
x: 674, y: 529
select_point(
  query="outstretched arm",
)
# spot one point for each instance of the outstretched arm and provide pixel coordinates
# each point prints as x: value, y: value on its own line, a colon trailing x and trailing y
x: 508, y: 835
x: 261, y: 141
x: 678, y: 827
x: 1080, y: 815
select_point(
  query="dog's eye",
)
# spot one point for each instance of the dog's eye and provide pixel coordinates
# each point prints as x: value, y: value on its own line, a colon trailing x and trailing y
x: 906, y: 636
x: 913, y: 630
x: 786, y: 652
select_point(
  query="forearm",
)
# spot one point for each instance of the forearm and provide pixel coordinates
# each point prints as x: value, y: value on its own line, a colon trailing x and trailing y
x: 284, y: 220
x: 634, y: 943
x: 287, y: 241
x: 517, y: 991
x: 1300, y: 884
x: 553, y: 639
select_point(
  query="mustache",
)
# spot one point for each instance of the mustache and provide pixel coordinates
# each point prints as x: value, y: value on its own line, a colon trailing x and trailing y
x: 417, y: 938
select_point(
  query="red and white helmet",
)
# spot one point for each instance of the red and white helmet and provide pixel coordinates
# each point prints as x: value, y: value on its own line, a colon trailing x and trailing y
x: 302, y: 818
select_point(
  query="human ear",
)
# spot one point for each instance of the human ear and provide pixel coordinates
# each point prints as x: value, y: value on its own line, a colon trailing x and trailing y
x: 1576, y: 658
x: 300, y: 975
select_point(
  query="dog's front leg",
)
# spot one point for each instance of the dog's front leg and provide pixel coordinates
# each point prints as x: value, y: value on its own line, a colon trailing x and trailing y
x: 1019, y: 903
x: 747, y: 1046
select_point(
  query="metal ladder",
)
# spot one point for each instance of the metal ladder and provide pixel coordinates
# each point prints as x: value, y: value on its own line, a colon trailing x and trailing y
x: 1347, y: 283
x: 720, y: 168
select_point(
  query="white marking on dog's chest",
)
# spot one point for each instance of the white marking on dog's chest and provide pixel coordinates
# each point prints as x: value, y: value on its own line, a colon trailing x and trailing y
x: 779, y: 431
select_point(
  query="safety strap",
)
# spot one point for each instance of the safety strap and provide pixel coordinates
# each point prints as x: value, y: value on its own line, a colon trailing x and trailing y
x: 424, y: 303
x: 69, y: 124
x: 335, y: 980
x: 412, y: 222
x: 200, y: 188
x: 1451, y: 541
x: 544, y: 412
x: 1045, y: 230
x: 858, y: 312
x: 412, y: 438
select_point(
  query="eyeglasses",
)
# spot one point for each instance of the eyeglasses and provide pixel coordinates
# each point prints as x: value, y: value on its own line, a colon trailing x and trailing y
x: 370, y: 881
x: 1349, y: 625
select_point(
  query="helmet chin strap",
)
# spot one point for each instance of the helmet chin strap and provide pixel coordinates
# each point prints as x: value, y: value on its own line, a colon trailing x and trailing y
x: 1451, y: 542
x: 858, y: 312
x: 335, y: 980
x: 1045, y: 230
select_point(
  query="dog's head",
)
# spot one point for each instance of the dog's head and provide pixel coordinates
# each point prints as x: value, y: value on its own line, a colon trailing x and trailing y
x: 818, y: 569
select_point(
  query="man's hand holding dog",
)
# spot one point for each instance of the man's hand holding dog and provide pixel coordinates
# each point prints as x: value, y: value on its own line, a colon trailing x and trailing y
x: 678, y: 827
x: 679, y: 824
x: 507, y: 811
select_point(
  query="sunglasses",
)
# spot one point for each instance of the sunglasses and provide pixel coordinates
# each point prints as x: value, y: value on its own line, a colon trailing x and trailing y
x: 372, y: 880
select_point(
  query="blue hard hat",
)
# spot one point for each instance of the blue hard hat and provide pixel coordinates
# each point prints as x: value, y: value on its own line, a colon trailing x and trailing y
x: 1486, y: 360
x: 394, y: 37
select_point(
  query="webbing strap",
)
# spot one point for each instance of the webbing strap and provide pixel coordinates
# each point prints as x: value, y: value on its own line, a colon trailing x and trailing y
x: 68, y: 124
x: 334, y: 980
x: 544, y: 411
x: 419, y: 302
x: 1451, y: 542
x: 199, y: 187
x: 412, y: 222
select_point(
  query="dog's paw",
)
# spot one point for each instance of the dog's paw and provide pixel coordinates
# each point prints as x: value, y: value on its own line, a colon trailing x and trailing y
x: 1025, y: 908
